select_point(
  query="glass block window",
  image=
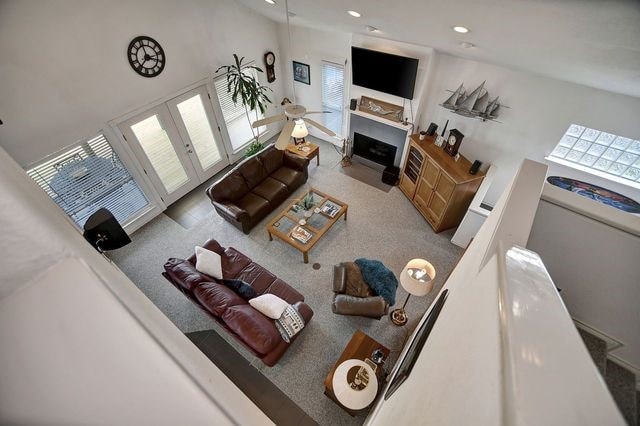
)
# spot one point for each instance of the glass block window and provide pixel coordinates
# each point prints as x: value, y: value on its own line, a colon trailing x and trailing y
x: 616, y: 155
x: 87, y: 176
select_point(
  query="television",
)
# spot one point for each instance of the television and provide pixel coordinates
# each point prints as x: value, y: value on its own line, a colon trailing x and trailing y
x: 384, y: 72
x: 407, y: 363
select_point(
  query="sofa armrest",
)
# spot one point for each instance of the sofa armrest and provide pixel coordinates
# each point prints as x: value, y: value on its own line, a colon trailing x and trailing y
x: 305, y: 311
x: 373, y: 307
x: 231, y: 210
x: 339, y: 278
x: 295, y: 161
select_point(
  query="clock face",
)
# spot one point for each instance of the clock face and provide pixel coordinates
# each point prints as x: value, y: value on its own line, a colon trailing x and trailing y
x: 146, y: 56
x: 452, y: 140
x: 270, y: 58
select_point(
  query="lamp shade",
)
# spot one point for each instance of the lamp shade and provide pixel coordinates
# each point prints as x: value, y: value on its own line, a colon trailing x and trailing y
x: 418, y: 277
x: 300, y: 130
x: 354, y: 397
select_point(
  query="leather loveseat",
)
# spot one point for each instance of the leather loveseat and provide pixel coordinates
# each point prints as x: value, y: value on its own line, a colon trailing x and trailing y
x: 256, y: 186
x: 251, y: 328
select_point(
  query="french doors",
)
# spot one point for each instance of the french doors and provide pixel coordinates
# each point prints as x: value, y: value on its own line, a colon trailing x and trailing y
x: 178, y: 143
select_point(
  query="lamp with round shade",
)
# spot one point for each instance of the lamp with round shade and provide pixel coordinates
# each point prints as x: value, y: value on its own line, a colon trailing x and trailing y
x: 299, y: 131
x: 417, y: 278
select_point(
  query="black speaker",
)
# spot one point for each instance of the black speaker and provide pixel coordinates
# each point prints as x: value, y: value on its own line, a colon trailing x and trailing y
x: 432, y: 129
x: 103, y: 231
x: 390, y: 175
x: 474, y: 167
x: 353, y: 104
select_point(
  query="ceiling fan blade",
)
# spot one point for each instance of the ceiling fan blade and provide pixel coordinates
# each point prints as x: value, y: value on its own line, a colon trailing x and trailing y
x: 318, y: 112
x: 285, y: 135
x: 268, y: 120
x: 319, y: 126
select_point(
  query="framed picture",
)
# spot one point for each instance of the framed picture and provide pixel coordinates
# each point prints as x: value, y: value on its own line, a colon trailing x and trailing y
x: 301, y: 72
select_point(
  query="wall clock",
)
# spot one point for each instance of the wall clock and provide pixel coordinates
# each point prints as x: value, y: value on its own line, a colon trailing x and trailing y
x: 270, y: 60
x: 146, y: 56
x: 453, y: 142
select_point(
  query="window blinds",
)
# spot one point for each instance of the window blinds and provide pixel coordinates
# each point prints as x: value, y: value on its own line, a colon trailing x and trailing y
x: 332, y: 85
x: 89, y: 176
x: 332, y: 95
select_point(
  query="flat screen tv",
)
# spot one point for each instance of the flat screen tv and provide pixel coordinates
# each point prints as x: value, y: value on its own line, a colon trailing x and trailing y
x: 384, y: 72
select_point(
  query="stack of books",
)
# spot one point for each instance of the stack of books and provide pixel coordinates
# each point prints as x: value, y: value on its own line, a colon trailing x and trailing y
x: 330, y: 209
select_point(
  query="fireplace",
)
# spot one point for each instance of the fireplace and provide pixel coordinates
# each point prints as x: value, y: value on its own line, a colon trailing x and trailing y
x: 373, y: 149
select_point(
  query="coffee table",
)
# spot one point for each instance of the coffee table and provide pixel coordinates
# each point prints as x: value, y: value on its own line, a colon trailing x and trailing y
x: 318, y: 224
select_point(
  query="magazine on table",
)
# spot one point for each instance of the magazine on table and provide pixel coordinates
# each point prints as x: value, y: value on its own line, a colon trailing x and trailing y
x: 301, y: 234
x: 330, y: 209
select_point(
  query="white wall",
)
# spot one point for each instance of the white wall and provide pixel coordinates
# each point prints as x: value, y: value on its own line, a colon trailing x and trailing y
x: 64, y: 71
x: 311, y: 46
x: 541, y: 109
x: 80, y: 342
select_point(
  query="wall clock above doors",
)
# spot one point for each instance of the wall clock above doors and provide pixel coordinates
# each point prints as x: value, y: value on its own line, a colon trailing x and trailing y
x: 146, y: 56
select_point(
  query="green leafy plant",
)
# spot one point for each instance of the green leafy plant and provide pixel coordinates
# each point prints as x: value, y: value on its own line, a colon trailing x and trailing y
x: 307, y: 202
x: 245, y: 88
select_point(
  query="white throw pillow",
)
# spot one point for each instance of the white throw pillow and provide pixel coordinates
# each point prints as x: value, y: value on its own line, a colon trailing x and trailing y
x: 269, y: 305
x: 208, y: 262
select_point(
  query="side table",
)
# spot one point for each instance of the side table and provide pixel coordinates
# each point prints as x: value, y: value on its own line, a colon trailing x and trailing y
x: 314, y: 151
x: 359, y: 347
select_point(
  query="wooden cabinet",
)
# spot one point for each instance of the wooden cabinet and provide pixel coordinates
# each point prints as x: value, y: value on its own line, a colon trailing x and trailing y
x: 439, y: 187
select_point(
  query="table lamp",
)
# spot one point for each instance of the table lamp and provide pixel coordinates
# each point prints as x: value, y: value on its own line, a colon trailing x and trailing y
x: 417, y: 278
x: 355, y: 384
x: 299, y: 131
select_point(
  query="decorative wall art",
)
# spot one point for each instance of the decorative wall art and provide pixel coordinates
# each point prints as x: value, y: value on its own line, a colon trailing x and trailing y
x: 301, y: 72
x: 596, y: 193
x: 476, y: 104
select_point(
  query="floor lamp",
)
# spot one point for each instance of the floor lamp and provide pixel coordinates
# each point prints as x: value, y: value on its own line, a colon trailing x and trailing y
x: 417, y: 278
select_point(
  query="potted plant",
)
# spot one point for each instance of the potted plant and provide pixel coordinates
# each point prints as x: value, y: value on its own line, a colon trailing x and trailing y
x: 245, y: 88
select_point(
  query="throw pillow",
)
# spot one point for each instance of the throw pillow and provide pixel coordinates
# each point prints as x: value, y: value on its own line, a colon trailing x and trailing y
x: 269, y: 305
x: 208, y: 262
x: 243, y: 289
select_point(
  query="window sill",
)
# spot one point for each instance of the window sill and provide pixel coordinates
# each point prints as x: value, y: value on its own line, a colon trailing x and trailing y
x: 246, y: 144
x: 597, y: 173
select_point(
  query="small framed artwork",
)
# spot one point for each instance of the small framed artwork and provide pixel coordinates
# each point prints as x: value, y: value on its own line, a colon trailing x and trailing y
x: 301, y: 72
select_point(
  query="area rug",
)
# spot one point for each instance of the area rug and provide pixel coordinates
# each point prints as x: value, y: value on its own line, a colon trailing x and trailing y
x: 381, y: 225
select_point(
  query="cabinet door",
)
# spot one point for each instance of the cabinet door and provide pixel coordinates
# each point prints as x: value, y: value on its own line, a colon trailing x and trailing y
x: 423, y: 193
x: 430, y: 173
x: 445, y: 186
x: 437, y: 206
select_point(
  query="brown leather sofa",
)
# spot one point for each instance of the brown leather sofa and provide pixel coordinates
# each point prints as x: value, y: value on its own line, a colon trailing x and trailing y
x: 256, y: 186
x: 353, y: 296
x: 254, y: 330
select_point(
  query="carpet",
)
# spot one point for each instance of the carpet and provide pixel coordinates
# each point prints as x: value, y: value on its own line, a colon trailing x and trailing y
x: 381, y: 225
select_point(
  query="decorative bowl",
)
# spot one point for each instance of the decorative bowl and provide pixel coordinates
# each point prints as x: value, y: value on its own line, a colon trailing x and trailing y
x: 302, y: 222
x: 308, y: 214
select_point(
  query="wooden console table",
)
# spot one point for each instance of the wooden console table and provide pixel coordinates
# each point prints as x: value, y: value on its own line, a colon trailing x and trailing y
x: 437, y: 185
x: 360, y: 347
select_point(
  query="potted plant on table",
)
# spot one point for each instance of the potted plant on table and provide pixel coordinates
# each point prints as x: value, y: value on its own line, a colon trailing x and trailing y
x: 245, y: 88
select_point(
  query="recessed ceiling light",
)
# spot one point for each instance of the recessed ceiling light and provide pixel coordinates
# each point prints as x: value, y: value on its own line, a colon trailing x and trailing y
x: 371, y: 28
x: 467, y: 45
x: 270, y: 1
x: 354, y: 13
x: 460, y: 29
x: 292, y: 15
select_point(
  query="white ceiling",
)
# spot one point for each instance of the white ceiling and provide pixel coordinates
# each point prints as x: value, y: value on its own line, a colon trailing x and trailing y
x: 590, y: 42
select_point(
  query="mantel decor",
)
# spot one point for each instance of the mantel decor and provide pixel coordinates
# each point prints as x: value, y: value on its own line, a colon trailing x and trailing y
x: 381, y: 109
x: 476, y: 104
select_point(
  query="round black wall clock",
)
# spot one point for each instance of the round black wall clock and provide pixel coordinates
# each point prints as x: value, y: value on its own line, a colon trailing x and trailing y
x: 146, y: 56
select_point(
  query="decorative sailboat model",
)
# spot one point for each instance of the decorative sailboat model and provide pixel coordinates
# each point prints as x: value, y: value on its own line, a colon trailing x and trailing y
x: 476, y: 104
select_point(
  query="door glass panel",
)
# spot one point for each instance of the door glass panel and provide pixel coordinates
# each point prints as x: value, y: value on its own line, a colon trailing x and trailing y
x: 198, y: 127
x: 156, y: 145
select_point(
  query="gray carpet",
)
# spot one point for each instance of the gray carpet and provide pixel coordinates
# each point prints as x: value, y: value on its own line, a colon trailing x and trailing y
x: 381, y: 225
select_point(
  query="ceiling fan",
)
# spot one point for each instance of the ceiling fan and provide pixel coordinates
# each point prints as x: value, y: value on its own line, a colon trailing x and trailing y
x: 294, y: 114
x: 295, y: 126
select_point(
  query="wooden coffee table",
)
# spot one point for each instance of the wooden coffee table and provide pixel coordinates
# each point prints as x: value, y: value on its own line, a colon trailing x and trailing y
x: 313, y: 151
x: 317, y: 225
x: 360, y: 347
